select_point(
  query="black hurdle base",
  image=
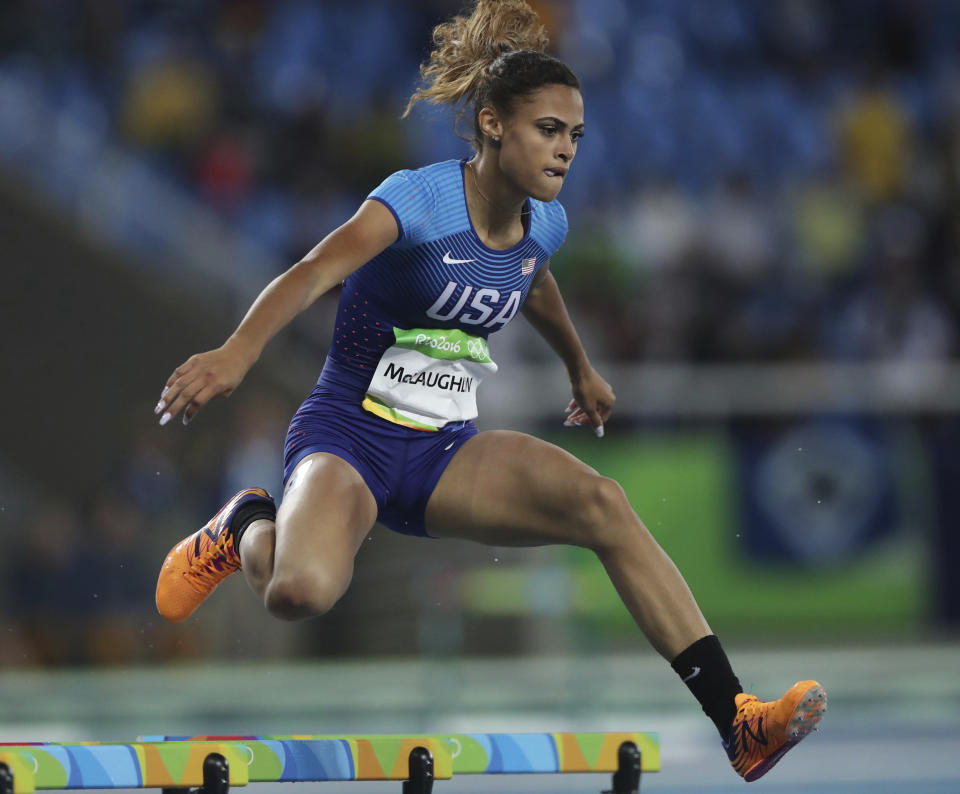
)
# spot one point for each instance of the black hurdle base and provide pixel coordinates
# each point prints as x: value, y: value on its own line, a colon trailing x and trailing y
x: 216, y: 778
x: 626, y: 780
x: 6, y: 780
x: 421, y: 772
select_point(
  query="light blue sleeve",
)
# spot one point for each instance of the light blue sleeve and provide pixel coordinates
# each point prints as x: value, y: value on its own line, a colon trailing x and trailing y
x: 411, y: 200
x: 550, y: 229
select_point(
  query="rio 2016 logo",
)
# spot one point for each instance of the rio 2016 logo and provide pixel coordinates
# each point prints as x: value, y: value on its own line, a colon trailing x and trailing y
x: 475, y: 347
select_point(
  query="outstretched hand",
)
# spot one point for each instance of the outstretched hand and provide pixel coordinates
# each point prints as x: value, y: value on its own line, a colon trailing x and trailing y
x: 592, y: 402
x: 199, y: 379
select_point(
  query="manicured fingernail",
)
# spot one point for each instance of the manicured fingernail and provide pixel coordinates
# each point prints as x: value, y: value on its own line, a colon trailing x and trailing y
x: 165, y: 418
x: 186, y: 419
x: 164, y: 392
x: 160, y: 406
x: 598, y: 431
x: 567, y: 423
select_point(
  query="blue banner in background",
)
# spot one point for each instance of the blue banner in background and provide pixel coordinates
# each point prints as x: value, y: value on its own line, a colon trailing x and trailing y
x: 815, y: 492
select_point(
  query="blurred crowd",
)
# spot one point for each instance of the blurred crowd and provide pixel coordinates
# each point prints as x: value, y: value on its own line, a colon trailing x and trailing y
x: 763, y: 180
x: 759, y: 180
x: 77, y: 582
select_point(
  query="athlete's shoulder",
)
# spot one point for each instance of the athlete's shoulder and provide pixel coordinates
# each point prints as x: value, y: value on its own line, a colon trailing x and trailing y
x: 548, y: 224
x: 441, y: 172
x: 413, y: 196
x: 434, y: 178
x: 427, y: 202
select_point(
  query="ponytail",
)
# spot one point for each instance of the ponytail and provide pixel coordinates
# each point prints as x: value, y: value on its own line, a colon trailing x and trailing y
x: 489, y: 58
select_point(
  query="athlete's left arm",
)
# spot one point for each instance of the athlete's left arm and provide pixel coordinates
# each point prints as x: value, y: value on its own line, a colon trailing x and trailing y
x: 546, y: 311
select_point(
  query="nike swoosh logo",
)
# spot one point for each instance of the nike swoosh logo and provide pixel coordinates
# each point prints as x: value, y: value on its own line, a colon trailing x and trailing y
x: 449, y: 260
x: 694, y: 674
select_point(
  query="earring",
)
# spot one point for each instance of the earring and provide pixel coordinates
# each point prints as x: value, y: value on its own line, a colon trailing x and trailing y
x: 496, y: 139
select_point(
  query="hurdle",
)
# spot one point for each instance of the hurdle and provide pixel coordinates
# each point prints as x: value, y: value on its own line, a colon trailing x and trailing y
x: 212, y: 764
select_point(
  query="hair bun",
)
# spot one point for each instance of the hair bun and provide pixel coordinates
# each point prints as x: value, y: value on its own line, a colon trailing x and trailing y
x: 467, y: 46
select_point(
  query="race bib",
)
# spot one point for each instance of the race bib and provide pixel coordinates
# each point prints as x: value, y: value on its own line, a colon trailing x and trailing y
x: 429, y: 378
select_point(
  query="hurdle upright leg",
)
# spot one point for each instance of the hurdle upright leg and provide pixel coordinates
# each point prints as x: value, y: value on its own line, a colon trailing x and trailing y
x: 421, y: 772
x: 6, y: 780
x: 626, y: 780
x: 216, y: 778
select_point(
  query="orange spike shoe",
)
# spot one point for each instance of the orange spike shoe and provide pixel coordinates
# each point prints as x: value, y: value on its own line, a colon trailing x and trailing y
x: 762, y: 732
x: 199, y: 562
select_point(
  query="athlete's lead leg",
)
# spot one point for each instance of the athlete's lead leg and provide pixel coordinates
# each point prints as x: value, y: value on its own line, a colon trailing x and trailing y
x: 508, y: 489
x: 505, y: 488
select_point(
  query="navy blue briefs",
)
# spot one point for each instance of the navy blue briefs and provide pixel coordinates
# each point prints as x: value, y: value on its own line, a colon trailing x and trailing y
x: 401, y: 466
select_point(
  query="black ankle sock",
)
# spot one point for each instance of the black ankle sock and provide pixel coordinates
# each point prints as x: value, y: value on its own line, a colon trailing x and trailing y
x: 246, y: 515
x: 705, y: 669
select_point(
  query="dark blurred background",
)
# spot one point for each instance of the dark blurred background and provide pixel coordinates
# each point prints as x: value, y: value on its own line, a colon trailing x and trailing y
x: 763, y: 259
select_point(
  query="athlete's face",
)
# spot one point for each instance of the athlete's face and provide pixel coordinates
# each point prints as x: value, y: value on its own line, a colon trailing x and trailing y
x: 539, y: 140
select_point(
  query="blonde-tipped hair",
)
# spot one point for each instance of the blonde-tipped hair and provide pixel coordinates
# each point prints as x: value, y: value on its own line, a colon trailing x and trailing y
x: 467, y: 46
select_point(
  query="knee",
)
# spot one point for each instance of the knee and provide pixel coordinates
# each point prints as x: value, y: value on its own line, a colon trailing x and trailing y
x: 304, y: 594
x: 607, y: 515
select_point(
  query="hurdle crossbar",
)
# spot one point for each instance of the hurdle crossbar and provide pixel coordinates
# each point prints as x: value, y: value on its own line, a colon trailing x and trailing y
x: 102, y: 765
x: 179, y: 764
x: 211, y: 764
x: 511, y: 753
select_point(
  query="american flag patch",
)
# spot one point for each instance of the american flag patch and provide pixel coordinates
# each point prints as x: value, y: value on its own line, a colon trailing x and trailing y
x: 527, y: 266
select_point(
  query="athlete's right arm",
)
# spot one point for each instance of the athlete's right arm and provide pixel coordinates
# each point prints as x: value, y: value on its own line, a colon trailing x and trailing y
x: 218, y: 372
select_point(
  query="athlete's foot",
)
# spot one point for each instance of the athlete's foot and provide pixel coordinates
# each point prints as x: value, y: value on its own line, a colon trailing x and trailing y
x: 762, y: 733
x: 199, y: 562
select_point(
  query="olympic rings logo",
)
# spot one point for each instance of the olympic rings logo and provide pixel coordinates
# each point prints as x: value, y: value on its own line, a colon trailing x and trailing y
x: 475, y: 349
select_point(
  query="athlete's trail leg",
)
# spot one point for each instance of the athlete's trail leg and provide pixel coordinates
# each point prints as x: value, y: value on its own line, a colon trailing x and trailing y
x: 301, y: 565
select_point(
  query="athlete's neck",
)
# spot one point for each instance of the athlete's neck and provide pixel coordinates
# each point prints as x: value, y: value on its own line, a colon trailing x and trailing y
x: 495, y: 209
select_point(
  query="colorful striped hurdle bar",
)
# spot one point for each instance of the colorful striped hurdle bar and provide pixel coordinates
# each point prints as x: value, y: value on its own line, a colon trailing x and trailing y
x: 211, y: 764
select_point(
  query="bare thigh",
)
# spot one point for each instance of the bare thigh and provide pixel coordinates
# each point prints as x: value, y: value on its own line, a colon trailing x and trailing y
x: 504, y: 488
x: 326, y: 512
x: 510, y: 489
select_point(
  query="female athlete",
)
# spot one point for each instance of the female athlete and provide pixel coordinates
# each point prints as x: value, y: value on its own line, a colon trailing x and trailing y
x: 435, y: 260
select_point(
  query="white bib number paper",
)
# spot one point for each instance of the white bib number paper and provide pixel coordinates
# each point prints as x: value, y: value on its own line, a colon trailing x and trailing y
x: 429, y: 378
